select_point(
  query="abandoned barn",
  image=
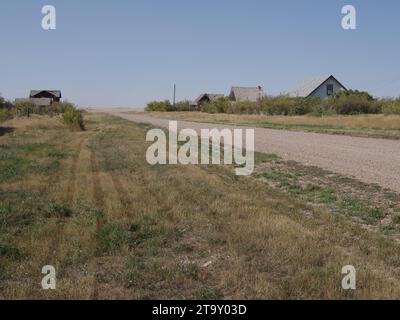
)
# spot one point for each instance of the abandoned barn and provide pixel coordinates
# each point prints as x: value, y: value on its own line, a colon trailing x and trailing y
x: 42, y: 98
x: 252, y: 94
x: 205, y: 98
x: 53, y: 95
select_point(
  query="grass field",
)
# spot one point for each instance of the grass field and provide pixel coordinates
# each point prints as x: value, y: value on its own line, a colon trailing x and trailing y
x: 116, y: 227
x: 380, y: 126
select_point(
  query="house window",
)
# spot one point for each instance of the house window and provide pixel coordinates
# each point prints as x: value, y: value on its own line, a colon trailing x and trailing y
x: 329, y: 89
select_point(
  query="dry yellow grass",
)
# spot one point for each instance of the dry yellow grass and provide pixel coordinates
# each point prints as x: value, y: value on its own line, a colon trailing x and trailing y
x: 123, y: 229
x: 387, y: 126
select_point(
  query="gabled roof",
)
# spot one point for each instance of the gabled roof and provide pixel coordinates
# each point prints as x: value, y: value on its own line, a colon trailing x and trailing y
x: 246, y: 93
x: 211, y: 96
x: 308, y: 86
x: 55, y: 93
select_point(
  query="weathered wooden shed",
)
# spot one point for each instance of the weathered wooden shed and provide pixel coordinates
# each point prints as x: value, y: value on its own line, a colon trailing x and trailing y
x: 252, y: 94
x: 53, y: 95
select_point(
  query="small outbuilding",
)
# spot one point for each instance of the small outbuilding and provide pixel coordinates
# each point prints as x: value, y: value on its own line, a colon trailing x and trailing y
x: 53, y: 95
x: 39, y: 102
x: 206, y: 98
x: 252, y: 94
x: 321, y: 87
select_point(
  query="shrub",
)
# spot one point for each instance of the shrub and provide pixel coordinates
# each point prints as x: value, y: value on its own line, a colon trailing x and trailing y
x: 2, y: 102
x: 321, y: 109
x: 160, y: 106
x: 25, y: 108
x: 243, y: 107
x: 285, y: 105
x: 73, y: 118
x: 61, y: 107
x: 183, y: 106
x: 391, y: 106
x: 353, y: 102
x: 166, y: 106
x: 281, y: 105
x: 209, y: 107
x: 354, y: 93
x: 4, y: 115
x: 221, y: 105
x: 344, y: 102
x: 5, y: 104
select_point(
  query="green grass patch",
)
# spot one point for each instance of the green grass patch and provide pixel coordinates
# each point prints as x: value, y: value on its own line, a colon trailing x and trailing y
x: 206, y: 293
x: 361, y: 209
x: 113, y: 236
x: 58, y: 210
x: 17, y: 160
x: 9, y: 251
x: 396, y: 217
x: 264, y: 157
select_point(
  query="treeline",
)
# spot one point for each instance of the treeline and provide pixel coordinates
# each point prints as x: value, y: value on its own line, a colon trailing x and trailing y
x: 343, y: 103
x: 166, y: 106
x: 68, y: 111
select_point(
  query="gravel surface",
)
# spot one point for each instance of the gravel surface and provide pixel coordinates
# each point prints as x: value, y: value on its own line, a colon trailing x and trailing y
x: 367, y: 159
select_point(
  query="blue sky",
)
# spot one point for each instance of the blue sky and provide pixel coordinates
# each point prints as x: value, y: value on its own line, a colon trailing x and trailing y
x: 125, y: 53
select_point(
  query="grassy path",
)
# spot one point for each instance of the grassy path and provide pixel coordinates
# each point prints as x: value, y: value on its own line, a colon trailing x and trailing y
x: 115, y: 227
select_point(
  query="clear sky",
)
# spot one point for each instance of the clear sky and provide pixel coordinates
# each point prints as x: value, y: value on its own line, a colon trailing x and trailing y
x: 125, y: 53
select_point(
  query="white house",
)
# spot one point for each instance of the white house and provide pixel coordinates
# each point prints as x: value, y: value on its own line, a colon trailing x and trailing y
x: 321, y: 87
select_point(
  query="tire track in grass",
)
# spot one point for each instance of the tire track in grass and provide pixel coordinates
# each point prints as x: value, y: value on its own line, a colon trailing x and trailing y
x: 123, y: 194
x: 115, y: 191
x: 71, y: 186
x: 68, y: 198
x: 52, y: 257
x: 98, y: 195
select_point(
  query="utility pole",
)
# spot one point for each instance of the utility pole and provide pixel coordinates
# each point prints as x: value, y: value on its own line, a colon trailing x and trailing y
x: 174, y: 95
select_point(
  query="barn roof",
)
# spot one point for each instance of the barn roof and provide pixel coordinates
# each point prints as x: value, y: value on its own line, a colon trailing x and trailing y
x: 246, y: 93
x: 211, y: 96
x: 55, y: 93
x: 308, y: 86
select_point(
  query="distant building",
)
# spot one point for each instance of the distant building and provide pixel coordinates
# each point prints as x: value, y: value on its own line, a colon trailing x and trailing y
x: 252, y: 94
x: 42, y: 98
x: 206, y: 98
x: 39, y: 102
x: 322, y: 87
x: 53, y: 95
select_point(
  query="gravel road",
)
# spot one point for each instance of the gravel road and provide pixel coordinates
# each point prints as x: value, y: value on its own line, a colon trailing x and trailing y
x: 367, y: 159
